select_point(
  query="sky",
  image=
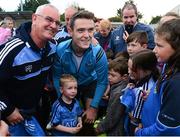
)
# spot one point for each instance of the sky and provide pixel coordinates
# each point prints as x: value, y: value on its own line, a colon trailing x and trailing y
x: 107, y: 8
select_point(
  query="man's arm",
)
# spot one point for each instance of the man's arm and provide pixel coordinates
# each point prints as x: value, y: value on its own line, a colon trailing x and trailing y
x: 57, y: 71
x: 102, y: 77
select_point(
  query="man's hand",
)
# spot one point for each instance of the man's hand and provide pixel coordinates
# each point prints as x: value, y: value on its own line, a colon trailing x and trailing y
x: 3, y: 129
x: 15, y: 117
x: 90, y: 115
x: 94, y: 41
x: 125, y: 35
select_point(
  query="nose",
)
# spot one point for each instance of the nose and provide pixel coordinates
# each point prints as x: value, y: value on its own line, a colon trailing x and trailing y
x: 86, y: 34
x: 154, y: 50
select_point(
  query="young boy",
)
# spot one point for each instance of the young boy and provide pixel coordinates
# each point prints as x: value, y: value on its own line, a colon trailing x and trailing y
x: 66, y: 111
x: 118, y: 79
x: 137, y: 41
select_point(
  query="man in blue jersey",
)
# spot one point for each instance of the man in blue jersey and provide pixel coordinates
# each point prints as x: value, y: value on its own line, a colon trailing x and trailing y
x: 25, y: 62
x: 87, y: 63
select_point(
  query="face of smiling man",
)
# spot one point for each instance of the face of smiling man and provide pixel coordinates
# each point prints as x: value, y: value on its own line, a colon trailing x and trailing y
x: 82, y: 33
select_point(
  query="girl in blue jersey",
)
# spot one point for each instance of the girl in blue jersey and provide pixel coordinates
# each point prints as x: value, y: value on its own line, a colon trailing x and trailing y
x: 66, y: 111
x: 167, y: 93
x: 142, y: 69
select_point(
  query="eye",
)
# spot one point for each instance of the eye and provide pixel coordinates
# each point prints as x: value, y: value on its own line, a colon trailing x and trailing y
x: 49, y: 19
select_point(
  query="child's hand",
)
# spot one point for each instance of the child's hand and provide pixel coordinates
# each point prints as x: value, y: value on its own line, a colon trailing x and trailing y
x: 105, y: 97
x: 76, y: 129
x: 145, y: 94
x: 139, y: 127
x: 79, y: 125
x: 130, y: 85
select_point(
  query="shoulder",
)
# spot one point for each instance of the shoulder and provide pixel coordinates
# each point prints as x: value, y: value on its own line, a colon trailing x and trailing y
x: 97, y: 50
x: 119, y: 29
x: 143, y: 26
x: 11, y: 48
x: 63, y: 45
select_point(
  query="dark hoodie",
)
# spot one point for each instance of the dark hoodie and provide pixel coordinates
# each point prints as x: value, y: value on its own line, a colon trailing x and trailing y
x: 23, y: 71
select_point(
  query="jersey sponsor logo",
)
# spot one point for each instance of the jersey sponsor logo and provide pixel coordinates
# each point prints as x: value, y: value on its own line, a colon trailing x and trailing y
x: 117, y: 38
x: 2, y: 106
x: 28, y: 68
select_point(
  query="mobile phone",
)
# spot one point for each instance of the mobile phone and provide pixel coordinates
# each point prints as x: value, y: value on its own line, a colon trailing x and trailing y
x: 129, y: 28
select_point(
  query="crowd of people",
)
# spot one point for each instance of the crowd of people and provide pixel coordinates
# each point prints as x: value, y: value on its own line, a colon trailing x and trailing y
x: 62, y: 80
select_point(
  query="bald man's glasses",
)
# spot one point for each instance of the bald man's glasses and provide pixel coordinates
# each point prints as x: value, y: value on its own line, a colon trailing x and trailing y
x: 50, y: 20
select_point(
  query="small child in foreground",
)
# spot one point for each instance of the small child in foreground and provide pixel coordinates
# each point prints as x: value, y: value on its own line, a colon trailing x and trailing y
x: 66, y: 111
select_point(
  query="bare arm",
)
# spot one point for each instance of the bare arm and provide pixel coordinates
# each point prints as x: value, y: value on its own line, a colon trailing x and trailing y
x: 72, y: 130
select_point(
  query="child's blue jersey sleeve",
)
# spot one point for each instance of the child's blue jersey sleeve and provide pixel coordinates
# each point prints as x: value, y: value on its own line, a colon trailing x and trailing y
x: 128, y: 99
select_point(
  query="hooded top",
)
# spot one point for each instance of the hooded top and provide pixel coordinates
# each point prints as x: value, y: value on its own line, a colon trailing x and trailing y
x: 23, y: 71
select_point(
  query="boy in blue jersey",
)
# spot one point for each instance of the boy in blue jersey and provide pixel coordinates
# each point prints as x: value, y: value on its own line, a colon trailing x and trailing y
x: 66, y: 111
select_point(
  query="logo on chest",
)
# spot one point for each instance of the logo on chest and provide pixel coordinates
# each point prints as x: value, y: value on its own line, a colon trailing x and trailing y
x: 28, y: 68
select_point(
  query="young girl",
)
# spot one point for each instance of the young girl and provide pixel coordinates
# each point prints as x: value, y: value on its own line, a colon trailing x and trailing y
x: 167, y: 50
x: 142, y: 69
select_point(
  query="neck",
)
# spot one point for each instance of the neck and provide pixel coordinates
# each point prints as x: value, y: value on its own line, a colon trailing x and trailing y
x: 77, y: 51
x: 66, y: 100
x: 38, y: 41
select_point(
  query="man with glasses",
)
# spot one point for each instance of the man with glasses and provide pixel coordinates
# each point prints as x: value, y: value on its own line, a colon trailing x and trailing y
x: 25, y: 62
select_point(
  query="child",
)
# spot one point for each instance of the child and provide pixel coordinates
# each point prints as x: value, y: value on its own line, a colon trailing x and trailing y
x: 142, y: 68
x: 66, y: 111
x: 167, y: 50
x: 136, y: 41
x: 118, y: 79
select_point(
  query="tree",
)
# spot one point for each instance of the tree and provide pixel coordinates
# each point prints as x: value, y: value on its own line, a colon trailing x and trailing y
x: 155, y: 20
x: 1, y: 9
x: 31, y: 5
x: 115, y: 19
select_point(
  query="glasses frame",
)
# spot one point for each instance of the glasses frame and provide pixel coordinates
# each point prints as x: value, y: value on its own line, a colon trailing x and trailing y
x: 50, y: 20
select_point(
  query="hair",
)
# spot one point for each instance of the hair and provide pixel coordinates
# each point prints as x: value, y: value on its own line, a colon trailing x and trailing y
x: 83, y: 14
x: 168, y: 16
x: 66, y: 78
x: 5, y: 20
x: 122, y: 56
x: 130, y: 5
x: 170, y: 31
x: 145, y: 60
x: 105, y: 24
x: 8, y: 19
x: 120, y: 67
x: 72, y: 7
x: 41, y: 8
x: 172, y: 14
x: 109, y: 54
x: 138, y: 36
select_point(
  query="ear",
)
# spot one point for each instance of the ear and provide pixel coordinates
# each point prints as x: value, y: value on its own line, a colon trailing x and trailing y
x: 70, y: 31
x: 61, y: 89
x: 145, y: 46
x: 34, y: 16
x: 125, y: 77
